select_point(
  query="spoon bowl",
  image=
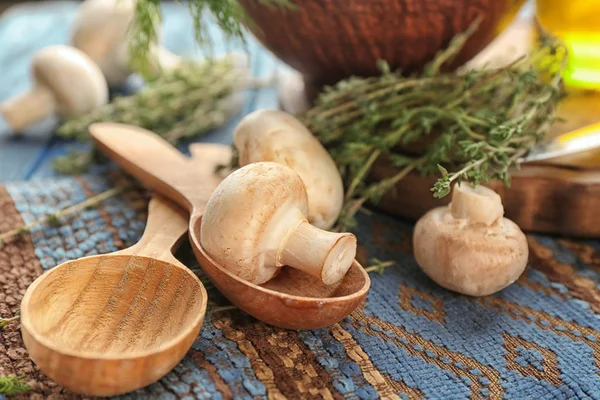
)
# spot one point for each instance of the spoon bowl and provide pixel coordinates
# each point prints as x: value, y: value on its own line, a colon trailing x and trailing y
x: 109, y: 324
x: 291, y: 300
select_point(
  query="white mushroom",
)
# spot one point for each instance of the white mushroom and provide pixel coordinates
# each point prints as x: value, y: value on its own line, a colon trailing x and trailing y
x: 255, y: 223
x: 101, y: 30
x: 272, y: 135
x: 66, y: 83
x: 468, y: 246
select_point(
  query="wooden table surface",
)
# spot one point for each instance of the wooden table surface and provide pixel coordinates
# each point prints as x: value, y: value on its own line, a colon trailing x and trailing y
x: 27, y: 27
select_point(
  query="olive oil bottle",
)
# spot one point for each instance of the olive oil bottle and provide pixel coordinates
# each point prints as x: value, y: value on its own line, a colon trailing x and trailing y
x: 577, y: 23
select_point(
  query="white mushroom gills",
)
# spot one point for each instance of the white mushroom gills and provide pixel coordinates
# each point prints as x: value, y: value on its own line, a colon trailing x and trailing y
x: 255, y: 223
x: 66, y: 82
x: 478, y: 204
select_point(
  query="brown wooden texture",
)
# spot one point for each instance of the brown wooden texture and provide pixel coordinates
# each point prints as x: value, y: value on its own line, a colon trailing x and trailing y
x: 294, y: 300
x: 540, y: 199
x: 328, y: 40
x: 108, y: 324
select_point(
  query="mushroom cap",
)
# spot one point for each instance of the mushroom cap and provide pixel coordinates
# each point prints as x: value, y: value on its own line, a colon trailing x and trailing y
x: 101, y: 24
x: 75, y: 81
x: 273, y: 135
x: 469, y: 258
x: 100, y: 30
x: 249, y: 214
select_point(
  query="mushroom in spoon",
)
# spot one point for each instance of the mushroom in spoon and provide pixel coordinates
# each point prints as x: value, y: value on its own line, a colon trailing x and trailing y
x: 101, y: 29
x: 468, y: 246
x: 293, y: 299
x: 273, y: 135
x: 66, y: 82
x: 255, y: 223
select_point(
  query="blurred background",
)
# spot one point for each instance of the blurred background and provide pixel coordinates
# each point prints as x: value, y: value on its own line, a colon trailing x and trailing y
x: 27, y: 26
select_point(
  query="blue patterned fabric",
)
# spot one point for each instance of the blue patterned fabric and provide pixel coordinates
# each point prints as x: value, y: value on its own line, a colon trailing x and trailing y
x: 539, y: 338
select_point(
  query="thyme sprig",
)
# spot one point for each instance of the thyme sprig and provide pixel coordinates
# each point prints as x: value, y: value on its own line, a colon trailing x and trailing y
x: 477, y: 123
x: 379, y: 266
x: 180, y: 104
x: 12, y: 385
x: 56, y: 217
x: 5, y: 321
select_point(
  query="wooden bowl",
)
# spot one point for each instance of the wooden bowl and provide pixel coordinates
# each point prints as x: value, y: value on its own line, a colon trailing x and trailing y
x: 329, y: 40
x: 99, y: 331
x: 291, y: 300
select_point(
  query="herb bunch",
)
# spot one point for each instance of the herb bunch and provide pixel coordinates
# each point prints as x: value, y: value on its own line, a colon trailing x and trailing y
x: 12, y: 385
x: 228, y: 15
x: 186, y: 102
x: 478, y: 122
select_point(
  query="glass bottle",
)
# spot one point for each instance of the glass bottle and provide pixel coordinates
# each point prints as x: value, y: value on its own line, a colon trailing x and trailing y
x: 577, y: 24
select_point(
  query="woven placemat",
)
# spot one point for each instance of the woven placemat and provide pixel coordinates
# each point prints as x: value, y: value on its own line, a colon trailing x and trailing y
x: 539, y: 338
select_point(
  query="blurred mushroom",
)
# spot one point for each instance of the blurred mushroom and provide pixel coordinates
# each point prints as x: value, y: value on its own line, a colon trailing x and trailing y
x: 66, y: 83
x: 101, y: 29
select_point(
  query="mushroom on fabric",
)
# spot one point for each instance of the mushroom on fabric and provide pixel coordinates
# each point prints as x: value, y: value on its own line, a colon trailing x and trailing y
x: 100, y: 29
x: 255, y: 223
x: 468, y: 246
x: 66, y: 82
x: 273, y: 135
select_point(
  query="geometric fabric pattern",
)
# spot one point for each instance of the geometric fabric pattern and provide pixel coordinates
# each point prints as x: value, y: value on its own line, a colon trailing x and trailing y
x: 411, y: 339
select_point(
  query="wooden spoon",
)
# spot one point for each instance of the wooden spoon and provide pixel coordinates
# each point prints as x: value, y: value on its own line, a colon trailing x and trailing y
x: 293, y: 299
x: 109, y: 324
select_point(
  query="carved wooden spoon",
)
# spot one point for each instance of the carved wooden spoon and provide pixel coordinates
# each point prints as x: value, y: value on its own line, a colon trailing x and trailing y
x: 109, y: 324
x: 293, y: 299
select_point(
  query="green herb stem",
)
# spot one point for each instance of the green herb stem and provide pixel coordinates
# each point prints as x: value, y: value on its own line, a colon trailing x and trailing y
x: 228, y: 15
x: 73, y: 209
x: 13, y: 385
x: 379, y: 266
x: 361, y: 174
x: 5, y: 321
x: 184, y: 103
x: 385, y: 185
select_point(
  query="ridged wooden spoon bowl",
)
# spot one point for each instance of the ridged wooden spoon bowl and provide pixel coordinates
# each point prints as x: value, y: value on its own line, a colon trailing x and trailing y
x: 109, y: 324
x: 293, y: 299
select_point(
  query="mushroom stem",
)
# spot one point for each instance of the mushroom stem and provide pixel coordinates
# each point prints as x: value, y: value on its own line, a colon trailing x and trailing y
x: 478, y: 204
x: 325, y: 255
x: 28, y: 108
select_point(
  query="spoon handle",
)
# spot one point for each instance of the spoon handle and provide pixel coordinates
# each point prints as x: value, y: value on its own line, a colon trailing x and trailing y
x: 165, y: 228
x: 160, y: 166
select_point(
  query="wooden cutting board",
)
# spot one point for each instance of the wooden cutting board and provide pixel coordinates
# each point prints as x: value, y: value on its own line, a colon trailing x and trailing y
x: 548, y: 199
